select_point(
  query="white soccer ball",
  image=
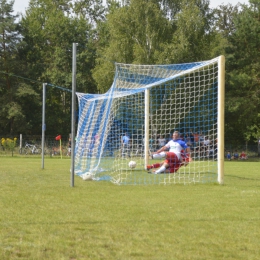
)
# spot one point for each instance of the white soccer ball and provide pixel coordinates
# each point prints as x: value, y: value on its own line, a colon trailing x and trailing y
x: 87, y: 176
x: 132, y: 164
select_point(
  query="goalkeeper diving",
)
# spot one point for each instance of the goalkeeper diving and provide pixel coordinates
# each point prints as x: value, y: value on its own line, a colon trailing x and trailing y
x: 177, y: 156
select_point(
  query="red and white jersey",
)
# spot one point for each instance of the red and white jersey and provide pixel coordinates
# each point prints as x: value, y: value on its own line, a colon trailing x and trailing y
x: 176, y: 146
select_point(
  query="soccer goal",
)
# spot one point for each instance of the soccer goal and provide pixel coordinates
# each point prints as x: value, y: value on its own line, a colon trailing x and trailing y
x: 148, y: 103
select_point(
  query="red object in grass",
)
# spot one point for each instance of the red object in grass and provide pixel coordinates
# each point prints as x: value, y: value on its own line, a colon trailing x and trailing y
x: 57, y: 138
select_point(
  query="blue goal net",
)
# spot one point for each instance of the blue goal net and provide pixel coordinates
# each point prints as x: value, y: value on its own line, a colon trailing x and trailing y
x: 139, y: 113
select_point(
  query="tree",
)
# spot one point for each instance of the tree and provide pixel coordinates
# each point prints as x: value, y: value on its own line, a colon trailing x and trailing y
x: 223, y: 26
x: 193, y: 34
x: 49, y: 28
x: 243, y: 76
x: 12, y: 116
x: 135, y: 32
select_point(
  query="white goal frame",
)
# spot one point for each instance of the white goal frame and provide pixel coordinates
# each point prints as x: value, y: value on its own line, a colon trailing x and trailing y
x: 91, y: 162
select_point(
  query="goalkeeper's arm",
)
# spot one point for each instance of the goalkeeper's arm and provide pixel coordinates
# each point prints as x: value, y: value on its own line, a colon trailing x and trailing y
x: 161, y: 149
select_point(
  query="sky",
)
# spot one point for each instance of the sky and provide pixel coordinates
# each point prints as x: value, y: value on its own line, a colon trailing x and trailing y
x: 21, y: 5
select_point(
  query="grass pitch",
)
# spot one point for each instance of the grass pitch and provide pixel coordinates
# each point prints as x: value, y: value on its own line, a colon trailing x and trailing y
x: 42, y: 217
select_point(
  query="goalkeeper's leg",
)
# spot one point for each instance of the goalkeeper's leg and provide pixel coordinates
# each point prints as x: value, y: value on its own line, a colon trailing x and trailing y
x: 153, y: 166
x: 170, y: 165
x: 168, y: 168
x: 160, y: 155
x: 163, y: 167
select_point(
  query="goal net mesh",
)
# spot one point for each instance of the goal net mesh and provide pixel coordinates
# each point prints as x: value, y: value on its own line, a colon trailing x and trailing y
x: 178, y: 97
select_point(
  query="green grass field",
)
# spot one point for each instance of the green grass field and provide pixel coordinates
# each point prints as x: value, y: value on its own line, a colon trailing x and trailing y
x: 42, y: 217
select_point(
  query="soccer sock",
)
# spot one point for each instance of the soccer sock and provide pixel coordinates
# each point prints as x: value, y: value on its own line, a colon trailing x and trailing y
x: 155, y: 165
x: 159, y: 155
x: 162, y: 169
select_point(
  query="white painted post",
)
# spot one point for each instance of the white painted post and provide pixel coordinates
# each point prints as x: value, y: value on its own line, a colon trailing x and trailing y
x: 146, y: 127
x: 221, y: 116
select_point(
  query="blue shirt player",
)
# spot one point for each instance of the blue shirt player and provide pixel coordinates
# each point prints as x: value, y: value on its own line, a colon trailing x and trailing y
x: 125, y: 145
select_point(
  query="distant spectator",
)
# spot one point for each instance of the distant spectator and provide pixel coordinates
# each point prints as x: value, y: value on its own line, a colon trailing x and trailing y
x: 243, y: 156
x: 201, y: 138
x: 216, y: 146
x: 187, y: 140
x: 69, y: 147
x: 236, y: 155
x: 161, y: 141
x: 125, y: 145
x: 229, y: 156
x: 190, y: 137
x: 211, y: 151
x: 206, y: 146
x: 196, y: 136
x: 206, y: 142
x: 152, y: 143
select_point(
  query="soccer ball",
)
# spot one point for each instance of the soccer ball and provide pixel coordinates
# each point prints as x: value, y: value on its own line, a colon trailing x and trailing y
x: 132, y: 164
x: 87, y: 176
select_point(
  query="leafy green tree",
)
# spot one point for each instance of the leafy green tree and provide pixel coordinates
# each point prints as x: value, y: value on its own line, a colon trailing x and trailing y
x: 243, y: 76
x: 135, y: 32
x: 49, y: 28
x: 193, y: 34
x: 91, y: 10
x: 12, y: 114
x: 224, y: 19
x: 223, y: 26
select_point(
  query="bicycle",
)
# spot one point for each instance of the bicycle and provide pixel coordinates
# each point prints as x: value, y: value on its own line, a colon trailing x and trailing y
x: 30, y: 148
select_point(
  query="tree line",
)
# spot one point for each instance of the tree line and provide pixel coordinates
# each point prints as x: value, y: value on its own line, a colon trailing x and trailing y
x: 36, y: 47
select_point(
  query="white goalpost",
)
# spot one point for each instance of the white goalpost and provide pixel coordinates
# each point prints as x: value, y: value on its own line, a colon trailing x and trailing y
x: 146, y: 103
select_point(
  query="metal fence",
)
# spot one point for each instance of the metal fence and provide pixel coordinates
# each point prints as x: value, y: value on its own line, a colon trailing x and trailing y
x: 52, y: 147
x: 32, y: 144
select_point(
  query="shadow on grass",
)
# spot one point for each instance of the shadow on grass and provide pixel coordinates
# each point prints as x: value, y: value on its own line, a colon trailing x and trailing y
x: 242, y: 178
